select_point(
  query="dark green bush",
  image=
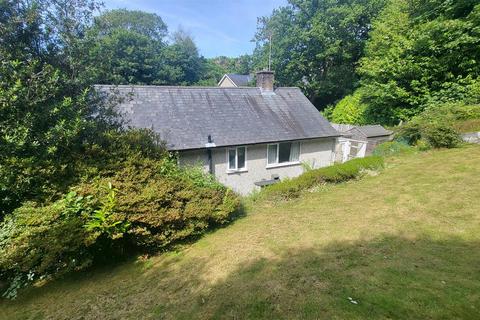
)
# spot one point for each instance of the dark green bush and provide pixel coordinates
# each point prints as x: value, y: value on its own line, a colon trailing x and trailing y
x: 409, y: 133
x: 441, y: 135
x: 147, y: 204
x: 36, y: 242
x: 163, y: 204
x: 437, y: 134
x: 439, y: 126
x: 292, y: 188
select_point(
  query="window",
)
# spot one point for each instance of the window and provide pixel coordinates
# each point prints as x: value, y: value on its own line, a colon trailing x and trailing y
x: 283, y: 152
x: 237, y: 158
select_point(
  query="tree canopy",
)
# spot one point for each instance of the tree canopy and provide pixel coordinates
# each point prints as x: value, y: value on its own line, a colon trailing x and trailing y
x: 420, y: 54
x: 316, y: 45
x: 132, y: 47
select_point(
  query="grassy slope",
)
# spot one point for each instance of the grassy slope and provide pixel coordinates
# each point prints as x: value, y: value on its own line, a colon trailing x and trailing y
x: 403, y: 244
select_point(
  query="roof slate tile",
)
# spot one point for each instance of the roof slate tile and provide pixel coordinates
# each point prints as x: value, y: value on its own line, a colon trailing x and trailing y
x: 185, y: 116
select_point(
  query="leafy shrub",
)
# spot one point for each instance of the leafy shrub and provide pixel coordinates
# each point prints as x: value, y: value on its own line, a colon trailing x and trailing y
x: 349, y: 110
x: 105, y: 221
x: 391, y: 148
x: 36, y: 242
x: 163, y: 204
x: 409, y: 133
x: 435, y: 134
x: 32, y: 179
x: 440, y: 135
x: 440, y: 126
x: 146, y: 204
x: 292, y: 188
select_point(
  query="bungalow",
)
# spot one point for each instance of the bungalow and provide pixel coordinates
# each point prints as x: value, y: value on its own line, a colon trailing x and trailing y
x: 247, y: 137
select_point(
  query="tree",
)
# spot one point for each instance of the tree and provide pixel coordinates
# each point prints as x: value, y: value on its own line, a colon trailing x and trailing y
x: 46, y: 110
x: 215, y: 68
x: 349, y: 110
x: 420, y: 54
x: 125, y: 47
x: 146, y: 24
x: 316, y: 45
x: 182, y: 64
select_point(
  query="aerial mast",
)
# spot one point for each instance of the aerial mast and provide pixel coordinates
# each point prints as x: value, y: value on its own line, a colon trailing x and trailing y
x: 270, y: 52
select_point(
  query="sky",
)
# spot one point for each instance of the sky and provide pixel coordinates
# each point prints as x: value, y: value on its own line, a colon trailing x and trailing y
x: 219, y: 27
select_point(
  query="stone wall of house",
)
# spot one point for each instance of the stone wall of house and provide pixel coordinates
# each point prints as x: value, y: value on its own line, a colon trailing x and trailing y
x: 316, y: 153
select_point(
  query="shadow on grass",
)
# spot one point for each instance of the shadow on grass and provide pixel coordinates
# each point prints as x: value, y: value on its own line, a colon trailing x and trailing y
x: 385, y: 278
x: 389, y: 278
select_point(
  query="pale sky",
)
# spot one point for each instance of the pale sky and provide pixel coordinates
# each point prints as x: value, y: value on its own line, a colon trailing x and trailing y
x: 218, y: 27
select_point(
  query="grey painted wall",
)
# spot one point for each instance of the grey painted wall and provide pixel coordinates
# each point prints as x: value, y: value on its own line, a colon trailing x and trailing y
x: 317, y: 153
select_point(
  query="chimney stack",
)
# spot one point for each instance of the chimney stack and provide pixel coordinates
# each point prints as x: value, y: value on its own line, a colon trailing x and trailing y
x: 265, y: 80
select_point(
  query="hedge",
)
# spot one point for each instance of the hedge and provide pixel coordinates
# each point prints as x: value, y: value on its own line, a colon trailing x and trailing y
x: 292, y: 188
x: 146, y: 205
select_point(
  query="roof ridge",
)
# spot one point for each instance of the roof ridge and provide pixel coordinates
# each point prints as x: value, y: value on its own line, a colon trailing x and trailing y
x: 182, y: 87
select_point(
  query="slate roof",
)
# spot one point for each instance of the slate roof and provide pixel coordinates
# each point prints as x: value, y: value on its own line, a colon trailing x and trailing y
x: 343, y: 128
x: 185, y: 116
x: 375, y: 130
x: 240, y: 80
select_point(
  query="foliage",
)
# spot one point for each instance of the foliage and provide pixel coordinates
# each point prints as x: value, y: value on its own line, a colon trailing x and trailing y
x: 182, y: 62
x: 162, y: 203
x: 316, y: 45
x: 349, y: 110
x: 438, y: 126
x: 46, y: 110
x: 146, y: 204
x: 437, y: 134
x: 441, y: 135
x: 292, y: 188
x: 215, y: 68
x: 39, y: 241
x: 104, y: 221
x: 130, y: 47
x: 392, y: 148
x: 149, y: 25
x: 420, y: 54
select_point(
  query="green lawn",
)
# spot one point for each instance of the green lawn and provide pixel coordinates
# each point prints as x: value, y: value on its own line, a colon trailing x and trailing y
x: 404, y: 244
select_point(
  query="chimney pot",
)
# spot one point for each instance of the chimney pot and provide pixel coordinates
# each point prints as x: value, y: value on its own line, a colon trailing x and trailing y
x: 265, y: 80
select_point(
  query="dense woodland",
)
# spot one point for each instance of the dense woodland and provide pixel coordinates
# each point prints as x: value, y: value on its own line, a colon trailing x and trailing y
x: 69, y: 167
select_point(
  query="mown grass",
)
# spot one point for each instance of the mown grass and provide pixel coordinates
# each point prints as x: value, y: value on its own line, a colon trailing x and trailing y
x: 292, y: 188
x: 402, y: 244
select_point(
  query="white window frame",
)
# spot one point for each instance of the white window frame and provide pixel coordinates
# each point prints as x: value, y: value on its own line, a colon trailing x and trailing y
x: 236, y: 159
x: 281, y: 164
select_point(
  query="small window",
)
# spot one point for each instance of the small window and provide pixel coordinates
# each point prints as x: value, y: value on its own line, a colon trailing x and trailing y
x: 237, y: 158
x: 272, y: 153
x: 283, y: 152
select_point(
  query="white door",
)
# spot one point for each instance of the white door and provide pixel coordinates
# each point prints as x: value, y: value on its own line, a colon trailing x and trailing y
x: 345, y: 150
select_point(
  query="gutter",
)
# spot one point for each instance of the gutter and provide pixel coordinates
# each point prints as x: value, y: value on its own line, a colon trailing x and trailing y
x: 213, y: 145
